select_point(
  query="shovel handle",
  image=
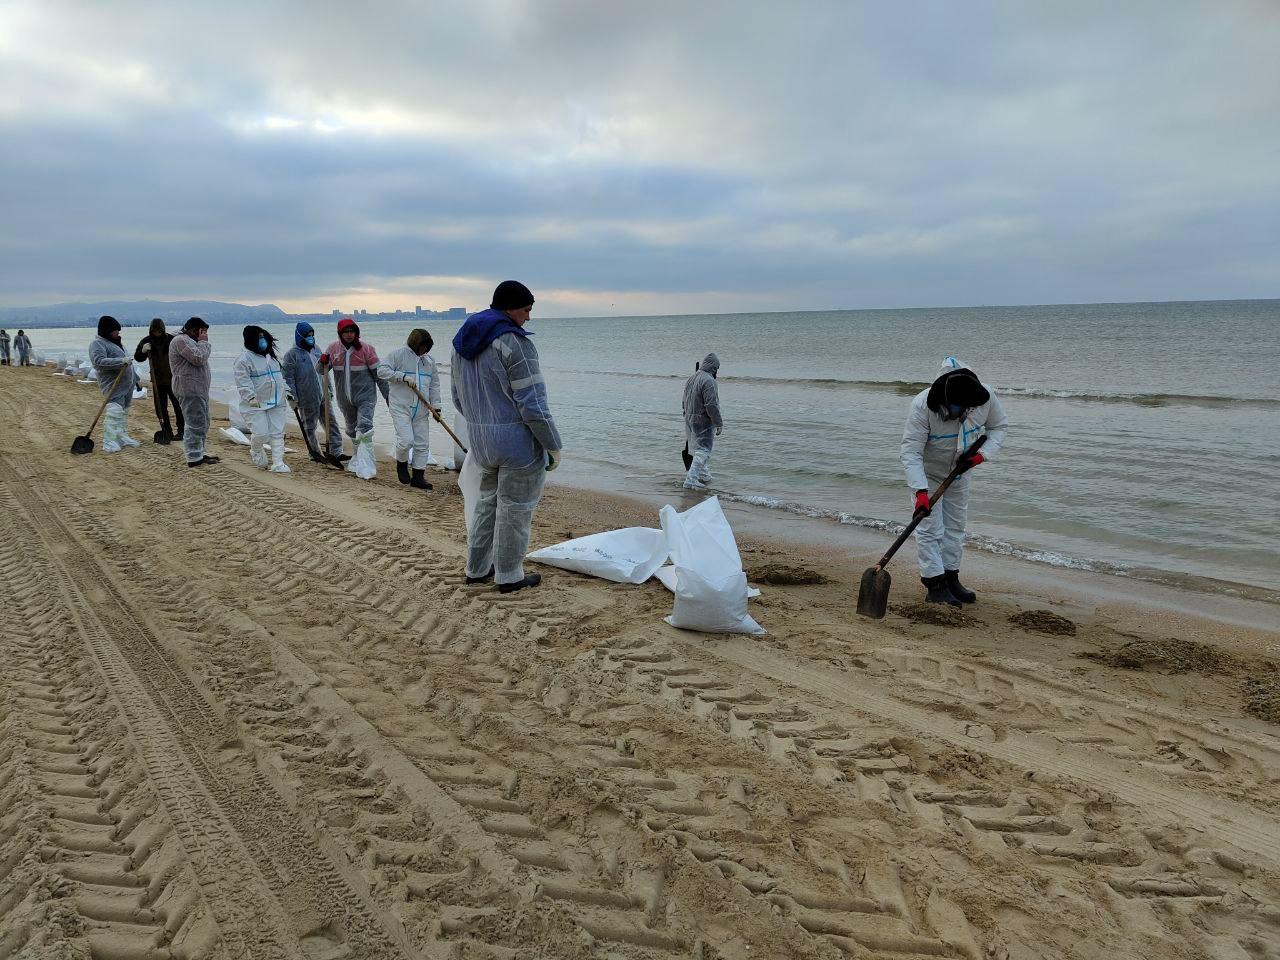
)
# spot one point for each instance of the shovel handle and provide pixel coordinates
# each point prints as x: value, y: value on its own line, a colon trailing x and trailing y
x: 937, y: 495
x: 435, y: 413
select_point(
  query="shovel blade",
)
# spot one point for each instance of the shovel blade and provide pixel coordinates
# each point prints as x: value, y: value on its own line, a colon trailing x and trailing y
x: 82, y: 444
x: 873, y: 593
x: 686, y: 457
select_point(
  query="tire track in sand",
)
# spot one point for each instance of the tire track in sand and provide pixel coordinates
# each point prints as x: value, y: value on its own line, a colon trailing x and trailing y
x: 272, y: 893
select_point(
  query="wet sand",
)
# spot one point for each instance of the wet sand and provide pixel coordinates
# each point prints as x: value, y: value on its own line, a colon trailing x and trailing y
x: 254, y: 715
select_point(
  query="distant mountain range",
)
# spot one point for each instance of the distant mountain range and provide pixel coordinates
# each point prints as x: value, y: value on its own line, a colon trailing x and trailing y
x: 133, y: 312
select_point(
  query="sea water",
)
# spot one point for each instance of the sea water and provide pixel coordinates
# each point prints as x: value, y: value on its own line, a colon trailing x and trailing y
x: 1144, y: 438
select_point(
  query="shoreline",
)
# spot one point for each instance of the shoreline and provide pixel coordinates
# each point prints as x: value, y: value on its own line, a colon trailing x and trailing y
x: 851, y: 548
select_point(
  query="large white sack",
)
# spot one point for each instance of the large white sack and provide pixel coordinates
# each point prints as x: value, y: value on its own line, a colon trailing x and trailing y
x: 667, y: 577
x: 711, y: 587
x: 469, y: 487
x: 234, y: 413
x: 630, y: 555
x: 460, y: 428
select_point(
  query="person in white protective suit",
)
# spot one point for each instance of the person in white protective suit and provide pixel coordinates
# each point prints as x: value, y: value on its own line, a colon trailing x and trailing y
x: 944, y: 421
x: 108, y: 356
x: 497, y: 384
x: 408, y: 368
x: 263, y: 396
x: 702, y: 420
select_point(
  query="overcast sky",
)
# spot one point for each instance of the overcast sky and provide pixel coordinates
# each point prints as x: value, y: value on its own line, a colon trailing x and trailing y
x: 640, y: 157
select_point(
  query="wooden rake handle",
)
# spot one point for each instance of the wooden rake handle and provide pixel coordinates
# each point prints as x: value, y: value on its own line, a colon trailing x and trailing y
x: 436, y: 413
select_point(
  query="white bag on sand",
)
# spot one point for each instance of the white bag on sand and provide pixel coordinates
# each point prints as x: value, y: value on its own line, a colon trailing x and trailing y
x: 460, y: 428
x: 469, y: 487
x: 234, y: 435
x: 711, y: 587
x: 667, y: 577
x: 234, y: 413
x: 630, y: 555
x: 363, y: 464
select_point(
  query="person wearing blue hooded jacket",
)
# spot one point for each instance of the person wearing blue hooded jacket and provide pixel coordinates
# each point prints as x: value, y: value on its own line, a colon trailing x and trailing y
x: 497, y: 386
x: 302, y: 378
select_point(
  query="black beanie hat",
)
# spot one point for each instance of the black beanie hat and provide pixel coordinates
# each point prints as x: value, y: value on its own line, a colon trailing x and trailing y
x: 195, y: 325
x: 107, y: 326
x: 511, y: 295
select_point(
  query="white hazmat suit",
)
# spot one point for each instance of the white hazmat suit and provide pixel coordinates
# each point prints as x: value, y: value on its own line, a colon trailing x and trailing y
x: 702, y: 420
x: 931, y: 443
x: 404, y: 370
x: 260, y: 383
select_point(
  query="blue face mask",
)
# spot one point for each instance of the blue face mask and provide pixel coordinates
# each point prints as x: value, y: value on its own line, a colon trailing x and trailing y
x: 262, y: 343
x: 955, y: 411
x: 309, y: 341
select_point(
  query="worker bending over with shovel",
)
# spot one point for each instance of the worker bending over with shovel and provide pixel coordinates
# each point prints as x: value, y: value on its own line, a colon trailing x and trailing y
x: 415, y: 382
x: 943, y: 422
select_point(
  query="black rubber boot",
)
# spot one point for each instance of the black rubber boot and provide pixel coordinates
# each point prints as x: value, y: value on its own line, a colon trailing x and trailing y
x: 958, y: 589
x: 402, y: 471
x: 530, y: 580
x: 938, y: 592
x: 471, y: 581
x: 419, y: 481
x: 161, y: 437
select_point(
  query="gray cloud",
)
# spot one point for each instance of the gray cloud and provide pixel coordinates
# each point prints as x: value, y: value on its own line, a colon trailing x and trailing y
x: 658, y: 156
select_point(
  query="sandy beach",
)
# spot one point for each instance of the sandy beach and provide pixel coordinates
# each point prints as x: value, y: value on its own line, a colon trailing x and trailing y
x: 248, y: 715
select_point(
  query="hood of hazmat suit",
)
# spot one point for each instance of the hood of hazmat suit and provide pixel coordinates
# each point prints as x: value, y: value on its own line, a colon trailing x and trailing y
x: 701, y: 404
x: 498, y: 388
x: 935, y: 437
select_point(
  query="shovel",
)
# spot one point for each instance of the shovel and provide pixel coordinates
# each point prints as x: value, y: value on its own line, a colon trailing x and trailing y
x: 435, y: 413
x: 84, y: 443
x: 306, y: 438
x: 873, y: 592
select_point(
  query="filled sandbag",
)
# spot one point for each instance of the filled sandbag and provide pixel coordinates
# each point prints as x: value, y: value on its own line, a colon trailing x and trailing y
x: 630, y: 555
x: 710, y: 585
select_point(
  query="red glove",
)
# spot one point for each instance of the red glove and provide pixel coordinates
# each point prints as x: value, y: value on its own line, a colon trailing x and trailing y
x: 922, y: 503
x: 968, y: 463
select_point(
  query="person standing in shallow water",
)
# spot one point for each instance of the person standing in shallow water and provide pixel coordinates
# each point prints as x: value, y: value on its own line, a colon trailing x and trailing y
x: 702, y: 420
x: 5, y: 342
x: 189, y: 355
x: 497, y: 385
x: 154, y: 347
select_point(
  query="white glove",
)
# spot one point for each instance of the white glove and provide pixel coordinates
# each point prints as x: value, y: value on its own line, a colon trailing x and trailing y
x: 554, y: 458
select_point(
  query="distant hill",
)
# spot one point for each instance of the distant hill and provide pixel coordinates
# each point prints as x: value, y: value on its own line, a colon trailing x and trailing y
x: 133, y: 312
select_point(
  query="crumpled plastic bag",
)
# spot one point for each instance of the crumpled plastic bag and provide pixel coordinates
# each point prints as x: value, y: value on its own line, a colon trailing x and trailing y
x: 630, y: 555
x: 710, y: 585
x: 234, y: 435
x: 362, y: 464
x: 234, y: 414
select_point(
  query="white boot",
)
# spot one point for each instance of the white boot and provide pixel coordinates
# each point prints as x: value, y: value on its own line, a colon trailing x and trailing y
x: 125, y: 439
x: 277, y: 456
x: 112, y: 430
x: 256, y: 453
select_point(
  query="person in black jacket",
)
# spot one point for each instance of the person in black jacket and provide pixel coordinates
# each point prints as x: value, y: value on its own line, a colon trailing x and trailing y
x: 155, y: 347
